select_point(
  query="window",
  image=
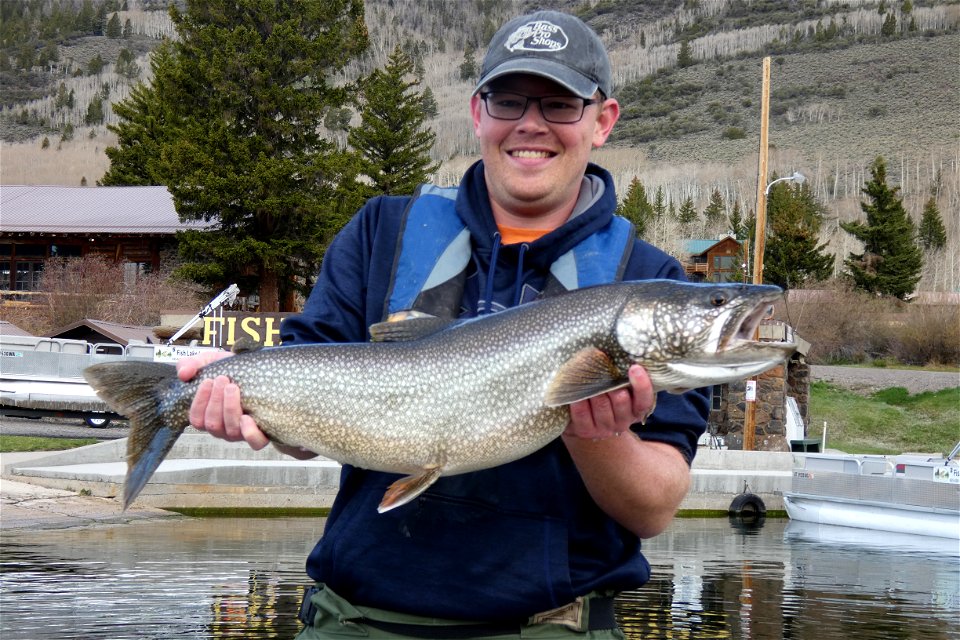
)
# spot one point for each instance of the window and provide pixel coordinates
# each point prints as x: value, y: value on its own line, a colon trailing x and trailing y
x: 717, y: 397
x: 65, y: 251
x: 28, y: 275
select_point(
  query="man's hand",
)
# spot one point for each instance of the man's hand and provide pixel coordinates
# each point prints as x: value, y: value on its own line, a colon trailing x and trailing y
x: 613, y: 413
x: 638, y: 483
x: 216, y: 408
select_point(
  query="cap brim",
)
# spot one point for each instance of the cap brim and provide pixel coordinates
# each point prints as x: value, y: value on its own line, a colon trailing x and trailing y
x: 565, y: 76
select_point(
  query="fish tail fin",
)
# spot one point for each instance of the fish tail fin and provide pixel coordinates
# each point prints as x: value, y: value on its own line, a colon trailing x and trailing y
x: 141, y: 391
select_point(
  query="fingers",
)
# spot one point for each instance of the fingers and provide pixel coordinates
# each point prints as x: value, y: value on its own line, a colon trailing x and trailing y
x: 251, y: 433
x: 199, y: 405
x: 216, y: 407
x: 615, y: 412
x: 188, y: 367
x: 643, y: 396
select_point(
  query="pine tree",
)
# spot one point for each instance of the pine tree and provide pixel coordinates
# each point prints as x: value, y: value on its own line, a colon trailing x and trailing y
x: 114, y: 29
x: 685, y: 55
x: 636, y: 208
x: 94, y: 113
x: 716, y: 209
x: 891, y: 262
x: 230, y: 126
x: 430, y: 107
x: 392, y: 142
x: 889, y: 26
x: 468, y: 68
x: 792, y: 256
x: 659, y: 205
x: 687, y: 214
x: 146, y: 119
x: 737, y: 225
x: 932, y: 234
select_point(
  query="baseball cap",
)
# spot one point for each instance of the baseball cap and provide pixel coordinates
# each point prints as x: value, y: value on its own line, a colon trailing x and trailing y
x: 553, y: 45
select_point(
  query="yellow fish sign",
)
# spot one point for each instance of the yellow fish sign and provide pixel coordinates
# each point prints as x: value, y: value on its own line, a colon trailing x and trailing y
x: 262, y: 328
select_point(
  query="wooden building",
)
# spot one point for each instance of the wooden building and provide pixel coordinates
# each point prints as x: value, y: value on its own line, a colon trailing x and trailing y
x: 134, y: 225
x: 713, y: 260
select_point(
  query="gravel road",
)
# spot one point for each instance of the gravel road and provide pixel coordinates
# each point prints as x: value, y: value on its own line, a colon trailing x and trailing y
x: 868, y: 380
x: 61, y: 428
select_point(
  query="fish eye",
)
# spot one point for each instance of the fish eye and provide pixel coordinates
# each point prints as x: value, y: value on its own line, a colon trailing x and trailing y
x: 718, y: 298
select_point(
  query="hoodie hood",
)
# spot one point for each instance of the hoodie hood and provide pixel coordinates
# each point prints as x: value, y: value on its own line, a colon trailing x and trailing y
x: 473, y: 207
x: 505, y: 275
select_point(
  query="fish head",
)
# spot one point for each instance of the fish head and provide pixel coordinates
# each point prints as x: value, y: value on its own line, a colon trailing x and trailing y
x: 690, y: 335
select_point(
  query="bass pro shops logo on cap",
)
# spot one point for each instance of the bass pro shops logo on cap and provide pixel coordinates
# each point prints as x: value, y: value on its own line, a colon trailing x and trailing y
x: 537, y: 36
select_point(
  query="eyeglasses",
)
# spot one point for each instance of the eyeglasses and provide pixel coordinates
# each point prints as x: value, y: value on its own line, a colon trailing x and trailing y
x: 556, y: 109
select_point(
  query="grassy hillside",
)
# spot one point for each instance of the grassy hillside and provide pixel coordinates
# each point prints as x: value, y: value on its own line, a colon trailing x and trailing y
x: 842, y: 93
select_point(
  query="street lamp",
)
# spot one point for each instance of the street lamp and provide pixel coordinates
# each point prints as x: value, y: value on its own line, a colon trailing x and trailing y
x: 750, y: 415
x: 761, y: 228
x: 797, y: 177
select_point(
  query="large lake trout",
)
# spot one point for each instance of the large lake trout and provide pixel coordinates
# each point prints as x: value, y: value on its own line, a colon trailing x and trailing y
x: 469, y: 396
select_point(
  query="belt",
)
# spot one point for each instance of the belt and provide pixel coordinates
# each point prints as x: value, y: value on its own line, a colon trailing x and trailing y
x: 600, y: 617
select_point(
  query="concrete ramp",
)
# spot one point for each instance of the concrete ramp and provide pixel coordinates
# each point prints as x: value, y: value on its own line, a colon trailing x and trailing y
x: 199, y: 472
x: 204, y: 472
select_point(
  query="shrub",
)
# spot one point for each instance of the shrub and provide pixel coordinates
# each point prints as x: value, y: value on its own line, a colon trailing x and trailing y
x: 734, y: 133
x: 98, y: 288
x: 846, y: 326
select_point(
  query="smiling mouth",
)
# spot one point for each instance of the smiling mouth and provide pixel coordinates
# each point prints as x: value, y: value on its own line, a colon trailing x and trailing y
x: 527, y: 153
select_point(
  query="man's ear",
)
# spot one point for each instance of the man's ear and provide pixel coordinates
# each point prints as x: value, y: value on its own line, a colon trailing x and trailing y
x: 609, y: 114
x: 475, y: 107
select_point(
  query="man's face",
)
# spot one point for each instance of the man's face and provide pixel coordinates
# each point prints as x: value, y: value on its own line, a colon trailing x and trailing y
x: 534, y: 167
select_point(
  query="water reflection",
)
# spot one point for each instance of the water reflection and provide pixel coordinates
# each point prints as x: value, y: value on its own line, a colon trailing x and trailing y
x: 786, y: 580
x: 217, y: 578
x: 243, y: 578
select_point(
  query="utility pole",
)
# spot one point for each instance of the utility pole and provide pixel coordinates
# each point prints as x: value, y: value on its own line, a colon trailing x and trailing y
x: 750, y: 411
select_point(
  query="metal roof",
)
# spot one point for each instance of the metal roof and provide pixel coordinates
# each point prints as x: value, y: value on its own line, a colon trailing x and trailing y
x: 119, y: 333
x: 10, y: 329
x: 116, y: 210
x: 696, y: 247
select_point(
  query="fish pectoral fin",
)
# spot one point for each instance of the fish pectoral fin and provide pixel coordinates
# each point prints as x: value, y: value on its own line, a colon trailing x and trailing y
x: 590, y: 372
x: 407, y: 488
x: 405, y: 326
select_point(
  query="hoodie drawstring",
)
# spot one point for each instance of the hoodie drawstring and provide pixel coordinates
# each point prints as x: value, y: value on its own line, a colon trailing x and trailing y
x: 518, y: 286
x: 491, y: 272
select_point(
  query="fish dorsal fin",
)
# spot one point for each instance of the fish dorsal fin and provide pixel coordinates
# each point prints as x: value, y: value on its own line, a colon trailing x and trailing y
x: 405, y: 326
x: 590, y: 372
x: 245, y: 344
x: 407, y: 488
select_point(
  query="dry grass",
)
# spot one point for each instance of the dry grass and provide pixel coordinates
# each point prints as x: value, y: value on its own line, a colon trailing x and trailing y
x: 74, y: 289
x: 847, y: 326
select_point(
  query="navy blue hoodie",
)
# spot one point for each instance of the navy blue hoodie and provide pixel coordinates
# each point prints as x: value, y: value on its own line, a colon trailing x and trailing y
x: 502, y: 543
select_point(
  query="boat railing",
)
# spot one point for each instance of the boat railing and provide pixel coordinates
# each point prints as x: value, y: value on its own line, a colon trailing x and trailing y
x: 904, y: 479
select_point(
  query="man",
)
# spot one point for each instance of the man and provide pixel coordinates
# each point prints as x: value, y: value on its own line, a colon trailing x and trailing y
x: 539, y: 546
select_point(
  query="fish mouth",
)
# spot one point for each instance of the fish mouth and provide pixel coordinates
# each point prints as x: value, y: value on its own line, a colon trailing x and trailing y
x: 740, y: 331
x: 745, y: 330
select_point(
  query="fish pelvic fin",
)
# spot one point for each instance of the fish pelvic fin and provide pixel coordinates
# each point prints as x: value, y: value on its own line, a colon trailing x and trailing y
x: 407, y: 488
x: 141, y: 391
x: 590, y: 372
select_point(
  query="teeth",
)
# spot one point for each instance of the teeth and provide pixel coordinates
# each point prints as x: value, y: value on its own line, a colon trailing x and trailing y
x: 529, y: 154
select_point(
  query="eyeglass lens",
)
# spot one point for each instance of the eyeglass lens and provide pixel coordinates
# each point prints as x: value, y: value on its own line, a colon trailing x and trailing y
x: 558, y: 109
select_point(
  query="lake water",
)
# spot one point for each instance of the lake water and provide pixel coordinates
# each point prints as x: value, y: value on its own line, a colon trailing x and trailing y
x: 243, y: 578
